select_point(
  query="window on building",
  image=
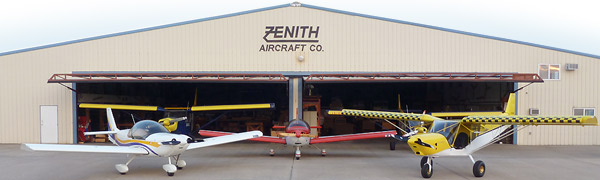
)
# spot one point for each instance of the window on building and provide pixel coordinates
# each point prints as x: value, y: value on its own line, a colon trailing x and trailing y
x: 549, y: 71
x: 584, y: 111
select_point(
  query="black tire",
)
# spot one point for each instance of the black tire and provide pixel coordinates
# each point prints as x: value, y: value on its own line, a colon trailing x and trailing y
x: 297, y: 158
x: 271, y: 154
x: 426, y: 171
x: 180, y: 168
x: 479, y: 169
x: 123, y: 173
x: 461, y: 141
x: 170, y: 174
x: 423, y: 161
x: 393, y: 145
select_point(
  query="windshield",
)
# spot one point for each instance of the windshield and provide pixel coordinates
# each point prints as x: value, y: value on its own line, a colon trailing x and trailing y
x: 444, y: 127
x: 145, y: 128
x: 299, y: 123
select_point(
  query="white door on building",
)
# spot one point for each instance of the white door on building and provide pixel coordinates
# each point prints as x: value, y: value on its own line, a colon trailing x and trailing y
x: 49, y: 120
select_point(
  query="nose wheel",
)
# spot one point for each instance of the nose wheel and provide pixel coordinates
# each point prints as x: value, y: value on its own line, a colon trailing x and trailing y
x: 298, y: 153
x: 426, y: 167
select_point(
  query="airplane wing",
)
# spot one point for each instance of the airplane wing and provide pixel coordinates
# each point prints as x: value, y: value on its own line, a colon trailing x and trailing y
x: 225, y: 139
x: 84, y: 148
x: 233, y: 107
x: 269, y: 139
x: 350, y: 137
x: 193, y: 108
x: 532, y: 120
x: 384, y: 115
x: 121, y: 107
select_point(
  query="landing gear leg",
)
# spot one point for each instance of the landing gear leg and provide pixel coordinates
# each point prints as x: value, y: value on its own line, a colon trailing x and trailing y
x: 170, y: 168
x: 298, y: 153
x: 478, y: 167
x: 122, y: 168
x: 426, y: 167
x: 180, y: 163
x: 323, y: 152
x: 393, y: 145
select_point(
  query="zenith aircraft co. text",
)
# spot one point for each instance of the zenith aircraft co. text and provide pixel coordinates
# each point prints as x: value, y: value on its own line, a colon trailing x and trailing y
x: 298, y: 37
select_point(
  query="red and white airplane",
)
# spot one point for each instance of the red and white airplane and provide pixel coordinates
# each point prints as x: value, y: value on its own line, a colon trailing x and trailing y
x: 297, y: 134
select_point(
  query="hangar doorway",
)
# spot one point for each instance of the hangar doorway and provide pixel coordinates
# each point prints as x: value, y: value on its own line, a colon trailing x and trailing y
x: 415, y: 97
x: 185, y: 95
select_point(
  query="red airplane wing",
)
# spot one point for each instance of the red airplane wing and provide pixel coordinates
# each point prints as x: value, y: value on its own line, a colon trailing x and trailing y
x: 270, y: 139
x: 350, y: 137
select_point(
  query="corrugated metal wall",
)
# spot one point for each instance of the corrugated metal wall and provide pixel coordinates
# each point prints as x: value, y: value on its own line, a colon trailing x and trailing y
x: 350, y: 44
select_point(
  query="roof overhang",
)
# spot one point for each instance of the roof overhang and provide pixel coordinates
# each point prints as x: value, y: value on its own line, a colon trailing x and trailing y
x: 416, y: 77
x: 164, y: 77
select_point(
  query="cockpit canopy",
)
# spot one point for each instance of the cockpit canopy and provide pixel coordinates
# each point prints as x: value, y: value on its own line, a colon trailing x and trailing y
x: 298, y: 123
x: 143, y: 129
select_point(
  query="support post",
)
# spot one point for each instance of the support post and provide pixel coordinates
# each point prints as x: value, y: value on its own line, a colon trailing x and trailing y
x: 295, y: 97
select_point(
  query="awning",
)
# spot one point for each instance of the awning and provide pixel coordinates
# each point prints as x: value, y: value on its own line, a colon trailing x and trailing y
x: 164, y: 77
x: 440, y: 77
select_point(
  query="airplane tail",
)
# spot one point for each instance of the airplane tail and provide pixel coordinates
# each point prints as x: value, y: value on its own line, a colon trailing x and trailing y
x: 112, y: 126
x: 510, y: 105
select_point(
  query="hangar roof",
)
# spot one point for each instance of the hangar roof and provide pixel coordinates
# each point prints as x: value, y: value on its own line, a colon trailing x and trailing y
x: 307, y: 6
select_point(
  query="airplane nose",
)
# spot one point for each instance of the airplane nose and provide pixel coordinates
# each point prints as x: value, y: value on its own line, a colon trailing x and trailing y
x: 298, y: 134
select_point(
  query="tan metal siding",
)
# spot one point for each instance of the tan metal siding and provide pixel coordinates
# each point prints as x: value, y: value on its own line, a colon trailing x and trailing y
x: 350, y: 43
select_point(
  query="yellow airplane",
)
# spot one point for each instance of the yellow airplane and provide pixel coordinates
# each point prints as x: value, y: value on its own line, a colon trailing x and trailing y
x: 465, y: 136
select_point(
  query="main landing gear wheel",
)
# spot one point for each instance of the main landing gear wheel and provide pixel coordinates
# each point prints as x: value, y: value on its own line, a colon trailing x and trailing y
x: 271, y: 152
x: 393, y: 145
x: 170, y: 174
x: 426, y: 171
x: 323, y: 152
x: 479, y: 169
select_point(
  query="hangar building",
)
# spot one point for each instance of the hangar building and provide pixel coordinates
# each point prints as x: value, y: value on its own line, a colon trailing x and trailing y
x: 305, y: 59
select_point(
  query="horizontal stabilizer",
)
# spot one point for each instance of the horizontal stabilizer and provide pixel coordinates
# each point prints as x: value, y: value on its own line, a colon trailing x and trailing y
x: 384, y: 115
x: 99, y: 132
x: 533, y: 120
x: 84, y: 148
x: 233, y: 107
x: 225, y: 139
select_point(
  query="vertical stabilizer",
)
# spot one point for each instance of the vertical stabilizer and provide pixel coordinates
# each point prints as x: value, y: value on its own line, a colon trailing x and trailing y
x: 112, y: 126
x: 510, y: 105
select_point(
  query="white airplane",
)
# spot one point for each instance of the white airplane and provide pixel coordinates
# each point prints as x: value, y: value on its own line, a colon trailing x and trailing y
x: 146, y: 137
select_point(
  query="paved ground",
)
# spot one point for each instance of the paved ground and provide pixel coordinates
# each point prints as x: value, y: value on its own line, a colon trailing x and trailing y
x: 345, y: 160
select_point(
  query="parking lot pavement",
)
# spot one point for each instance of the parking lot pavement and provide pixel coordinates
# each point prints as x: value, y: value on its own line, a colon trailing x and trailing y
x: 364, y: 159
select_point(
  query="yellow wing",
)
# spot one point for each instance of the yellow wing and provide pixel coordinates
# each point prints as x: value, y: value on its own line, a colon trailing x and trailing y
x: 532, y: 120
x: 384, y: 115
x: 193, y: 108
x: 233, y: 107
x: 119, y: 106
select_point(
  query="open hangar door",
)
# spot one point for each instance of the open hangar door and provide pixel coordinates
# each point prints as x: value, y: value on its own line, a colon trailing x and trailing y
x: 179, y: 92
x: 437, y: 93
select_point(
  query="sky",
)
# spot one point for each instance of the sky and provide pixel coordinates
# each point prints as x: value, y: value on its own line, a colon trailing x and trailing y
x: 572, y: 25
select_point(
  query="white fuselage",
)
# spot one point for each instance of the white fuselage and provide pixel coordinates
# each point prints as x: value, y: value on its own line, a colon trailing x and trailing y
x: 153, y: 143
